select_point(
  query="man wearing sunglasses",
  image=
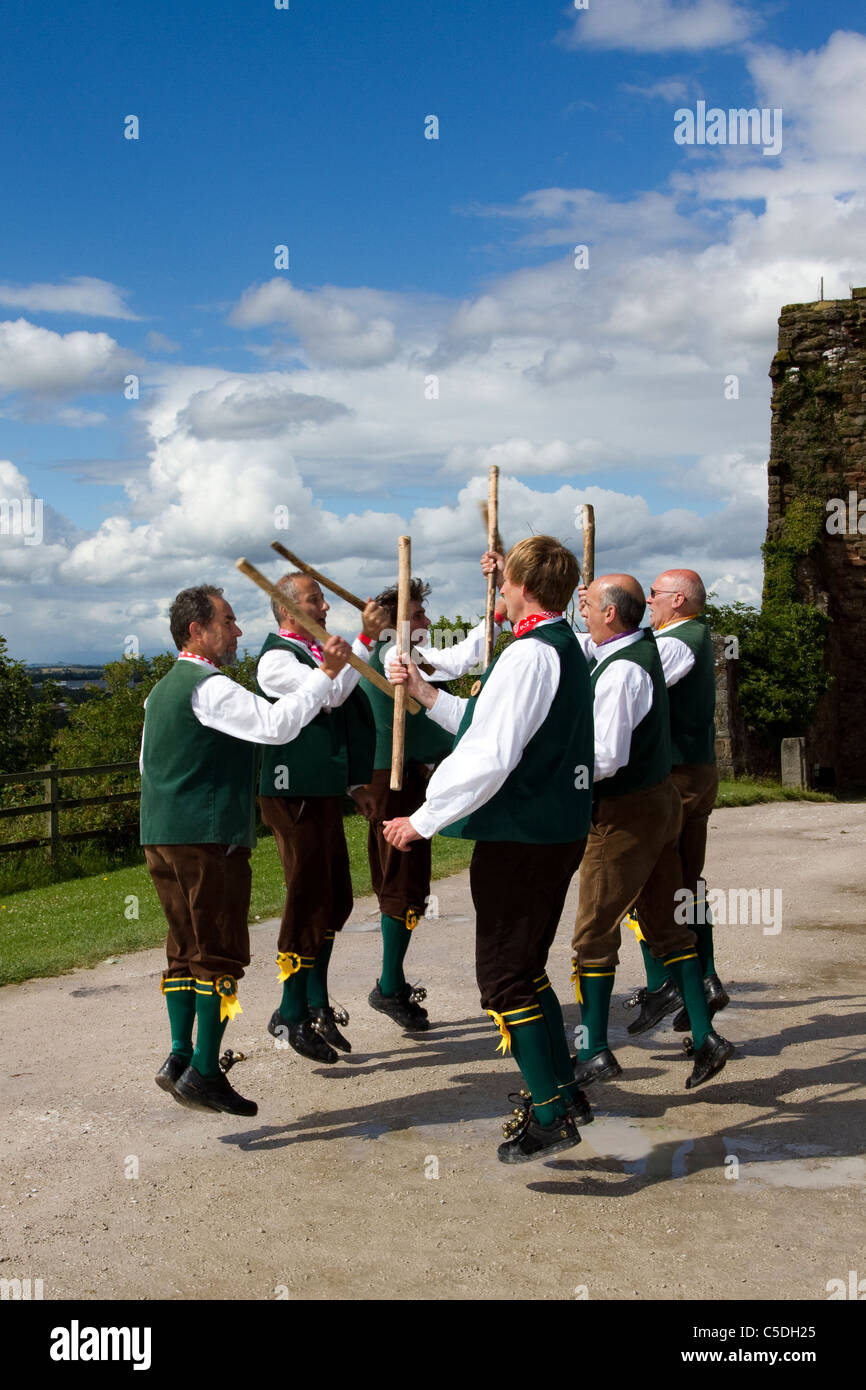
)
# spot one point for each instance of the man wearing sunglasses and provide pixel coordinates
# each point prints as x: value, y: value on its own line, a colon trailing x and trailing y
x: 676, y: 602
x: 631, y: 854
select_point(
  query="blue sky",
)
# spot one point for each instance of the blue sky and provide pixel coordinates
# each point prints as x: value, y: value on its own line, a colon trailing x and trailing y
x: 409, y: 258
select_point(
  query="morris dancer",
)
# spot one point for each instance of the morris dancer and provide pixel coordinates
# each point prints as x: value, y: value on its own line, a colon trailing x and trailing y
x: 631, y: 854
x: 519, y: 784
x: 401, y: 882
x: 676, y: 602
x: 198, y: 764
x: 301, y: 797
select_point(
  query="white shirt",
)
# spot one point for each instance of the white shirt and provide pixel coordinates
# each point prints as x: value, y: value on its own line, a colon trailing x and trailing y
x: 281, y: 672
x: 511, y: 708
x: 220, y: 703
x: 623, y: 697
x: 448, y: 662
x: 677, y: 658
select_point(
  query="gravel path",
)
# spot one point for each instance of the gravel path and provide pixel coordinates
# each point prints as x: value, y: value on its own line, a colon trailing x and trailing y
x: 378, y: 1178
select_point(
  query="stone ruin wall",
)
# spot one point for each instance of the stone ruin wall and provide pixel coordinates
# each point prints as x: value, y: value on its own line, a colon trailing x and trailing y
x: 818, y: 451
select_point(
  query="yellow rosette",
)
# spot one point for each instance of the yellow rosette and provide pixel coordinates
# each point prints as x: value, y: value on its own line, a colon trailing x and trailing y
x: 505, y: 1044
x: 227, y: 989
x: 634, y: 925
x: 575, y: 980
x: 289, y: 963
x: 412, y: 919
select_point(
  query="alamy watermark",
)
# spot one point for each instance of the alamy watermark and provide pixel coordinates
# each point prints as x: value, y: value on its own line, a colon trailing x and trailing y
x: 22, y: 516
x: 847, y: 520
x: 738, y: 126
x: 736, y: 907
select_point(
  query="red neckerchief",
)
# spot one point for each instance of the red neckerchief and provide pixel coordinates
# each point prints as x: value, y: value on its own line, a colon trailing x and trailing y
x: 193, y: 657
x: 527, y: 624
x: 307, y: 642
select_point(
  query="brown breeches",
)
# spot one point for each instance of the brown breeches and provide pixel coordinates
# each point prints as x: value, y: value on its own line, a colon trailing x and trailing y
x: 631, y: 860
x: 698, y: 785
x: 401, y: 880
x: 205, y: 895
x: 312, y: 849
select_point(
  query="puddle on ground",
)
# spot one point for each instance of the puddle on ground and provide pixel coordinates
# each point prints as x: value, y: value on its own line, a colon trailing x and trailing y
x: 816, y: 1173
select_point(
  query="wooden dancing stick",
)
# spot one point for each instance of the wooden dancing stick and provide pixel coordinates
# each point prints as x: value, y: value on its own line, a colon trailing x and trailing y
x: 338, y: 589
x: 310, y: 625
x: 588, y: 515
x: 492, y: 537
x: 331, y: 584
x: 398, y: 739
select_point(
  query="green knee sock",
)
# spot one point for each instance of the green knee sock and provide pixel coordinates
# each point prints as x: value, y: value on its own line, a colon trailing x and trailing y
x: 704, y: 932
x: 395, y: 943
x: 596, y: 987
x: 209, y: 1032
x: 530, y: 1046
x: 317, y: 978
x: 552, y: 1011
x: 180, y: 1000
x: 685, y: 968
x: 293, y: 1005
x: 655, y: 971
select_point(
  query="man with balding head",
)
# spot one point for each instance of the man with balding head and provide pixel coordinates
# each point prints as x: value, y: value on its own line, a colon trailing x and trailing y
x: 301, y: 793
x: 631, y: 856
x: 676, y: 602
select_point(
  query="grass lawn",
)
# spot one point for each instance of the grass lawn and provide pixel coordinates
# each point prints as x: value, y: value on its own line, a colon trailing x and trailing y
x: 745, y: 792
x: 45, y: 931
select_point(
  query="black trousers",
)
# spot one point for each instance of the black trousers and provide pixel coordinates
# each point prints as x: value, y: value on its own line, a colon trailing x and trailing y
x: 518, y: 892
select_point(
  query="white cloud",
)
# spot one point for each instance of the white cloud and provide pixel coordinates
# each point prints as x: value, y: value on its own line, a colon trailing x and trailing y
x: 521, y: 456
x: 158, y: 342
x: 81, y: 295
x: 80, y: 419
x: 669, y: 89
x: 254, y: 408
x: 820, y: 93
x: 46, y: 363
x: 660, y: 26
x: 334, y: 325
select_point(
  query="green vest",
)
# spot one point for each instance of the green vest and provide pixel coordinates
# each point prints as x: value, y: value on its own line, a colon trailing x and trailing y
x: 198, y: 786
x: 334, y: 751
x: 426, y: 742
x: 546, y: 799
x: 649, y: 759
x: 693, y: 699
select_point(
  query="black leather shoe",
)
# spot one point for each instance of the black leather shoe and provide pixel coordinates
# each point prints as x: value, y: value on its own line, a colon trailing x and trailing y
x: 576, y: 1104
x: 403, y: 1007
x: 303, y: 1037
x: 325, y: 1024
x: 172, y: 1068
x: 716, y: 996
x: 532, y: 1140
x: 710, y: 1057
x: 655, y: 1004
x: 212, y: 1093
x: 602, y: 1067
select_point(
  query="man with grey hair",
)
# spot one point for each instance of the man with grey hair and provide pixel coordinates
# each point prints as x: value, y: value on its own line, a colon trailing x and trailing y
x: 198, y: 764
x: 301, y: 793
x: 676, y: 602
x: 631, y: 854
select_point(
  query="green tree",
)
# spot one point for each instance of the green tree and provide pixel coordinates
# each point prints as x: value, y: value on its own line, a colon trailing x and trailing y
x: 25, y: 722
x: 781, y: 663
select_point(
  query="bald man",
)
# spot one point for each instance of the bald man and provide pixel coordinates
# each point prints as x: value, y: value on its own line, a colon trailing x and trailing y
x: 631, y: 856
x: 676, y: 603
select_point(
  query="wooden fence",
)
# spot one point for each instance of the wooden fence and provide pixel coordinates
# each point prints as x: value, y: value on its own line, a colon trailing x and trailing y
x: 53, y: 804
